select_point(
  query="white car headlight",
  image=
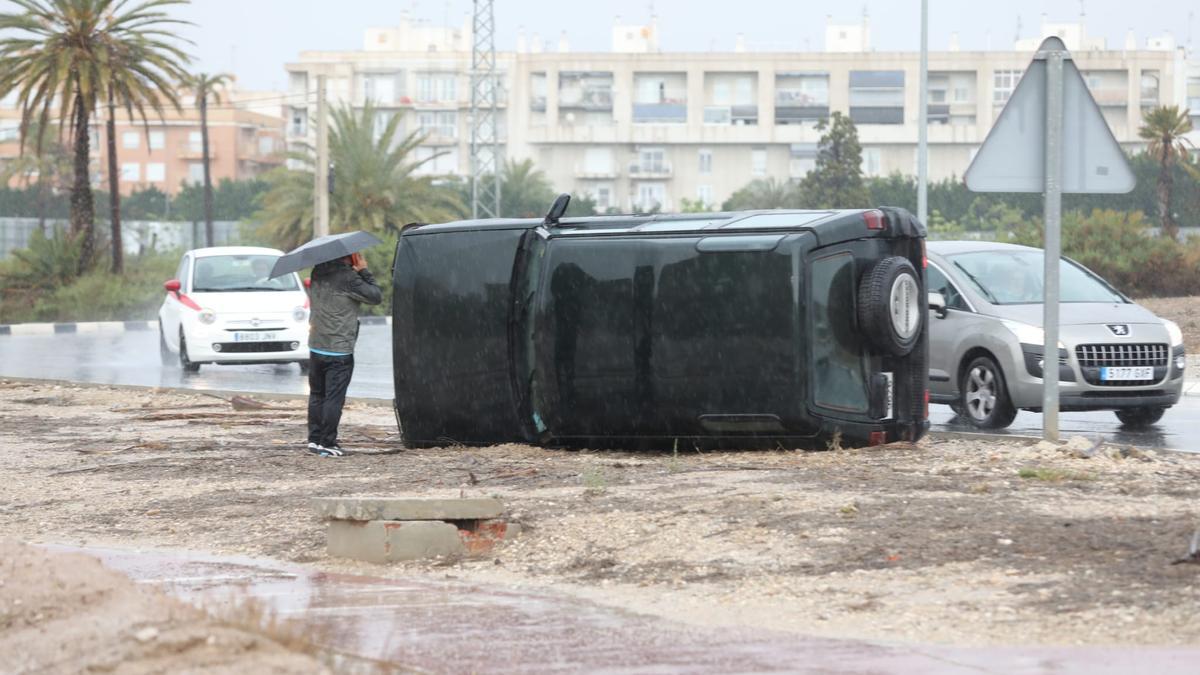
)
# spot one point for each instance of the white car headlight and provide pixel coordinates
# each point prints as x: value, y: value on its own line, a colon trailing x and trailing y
x: 208, y: 317
x: 300, y: 315
x: 1174, y: 331
x: 1027, y: 334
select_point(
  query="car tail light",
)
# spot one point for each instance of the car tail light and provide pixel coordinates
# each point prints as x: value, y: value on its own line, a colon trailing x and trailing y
x: 924, y: 256
x: 877, y: 438
x: 926, y: 404
x: 874, y: 219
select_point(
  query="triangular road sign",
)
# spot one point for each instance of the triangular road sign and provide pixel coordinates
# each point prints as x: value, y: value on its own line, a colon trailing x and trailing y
x: 1012, y: 158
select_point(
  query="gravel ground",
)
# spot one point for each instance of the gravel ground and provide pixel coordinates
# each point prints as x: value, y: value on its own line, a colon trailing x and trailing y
x: 969, y: 542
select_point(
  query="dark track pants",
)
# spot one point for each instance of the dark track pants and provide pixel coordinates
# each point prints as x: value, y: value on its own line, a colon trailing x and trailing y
x: 328, y: 379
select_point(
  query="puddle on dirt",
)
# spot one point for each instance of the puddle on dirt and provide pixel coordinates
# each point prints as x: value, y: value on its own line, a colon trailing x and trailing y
x: 446, y: 627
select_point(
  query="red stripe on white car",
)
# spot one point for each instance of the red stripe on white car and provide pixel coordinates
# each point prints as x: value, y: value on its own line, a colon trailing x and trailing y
x: 186, y: 301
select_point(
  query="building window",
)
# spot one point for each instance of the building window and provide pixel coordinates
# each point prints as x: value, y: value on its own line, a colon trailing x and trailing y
x: 705, y: 162
x: 651, y: 160
x: 1003, y: 84
x: 432, y: 88
x: 156, y: 172
x: 758, y: 162
x: 871, y: 161
x: 704, y: 195
x: 962, y: 95
x: 196, y: 172
x: 266, y: 145
x: 381, y: 87
x: 603, y: 197
x: 195, y: 141
x: 129, y: 140
x: 598, y: 161
x: 651, y: 196
x: 803, y: 158
x: 131, y: 172
x: 157, y: 140
x: 299, y: 119
x: 877, y: 96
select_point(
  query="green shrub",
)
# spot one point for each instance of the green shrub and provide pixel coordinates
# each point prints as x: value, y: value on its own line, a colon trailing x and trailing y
x: 1115, y: 245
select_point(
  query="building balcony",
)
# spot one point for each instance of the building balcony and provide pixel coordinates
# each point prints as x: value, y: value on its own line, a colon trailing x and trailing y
x: 660, y: 113
x: 435, y: 136
x: 800, y: 114
x: 1110, y: 98
x: 598, y: 100
x: 734, y: 115
x: 656, y: 170
x: 596, y: 173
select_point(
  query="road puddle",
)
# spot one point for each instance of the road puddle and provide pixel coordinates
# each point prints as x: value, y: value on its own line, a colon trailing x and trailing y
x: 370, y: 623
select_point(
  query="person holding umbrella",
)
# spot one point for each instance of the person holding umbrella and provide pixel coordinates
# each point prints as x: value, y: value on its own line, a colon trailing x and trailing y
x: 341, y: 283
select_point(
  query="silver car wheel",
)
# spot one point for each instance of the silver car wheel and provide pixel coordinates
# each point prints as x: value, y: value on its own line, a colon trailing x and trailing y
x: 981, y: 393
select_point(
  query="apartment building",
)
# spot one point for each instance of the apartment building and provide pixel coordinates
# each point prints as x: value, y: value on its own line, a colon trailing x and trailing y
x: 245, y: 140
x: 637, y: 127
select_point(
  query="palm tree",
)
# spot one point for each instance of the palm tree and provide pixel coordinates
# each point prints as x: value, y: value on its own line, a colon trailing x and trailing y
x: 1164, y: 129
x: 525, y: 191
x: 206, y: 87
x: 375, y: 188
x: 72, y: 53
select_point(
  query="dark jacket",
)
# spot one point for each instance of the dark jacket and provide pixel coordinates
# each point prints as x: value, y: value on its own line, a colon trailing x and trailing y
x: 336, y: 293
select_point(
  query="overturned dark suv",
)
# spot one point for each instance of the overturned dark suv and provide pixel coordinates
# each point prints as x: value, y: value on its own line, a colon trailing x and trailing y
x: 778, y: 328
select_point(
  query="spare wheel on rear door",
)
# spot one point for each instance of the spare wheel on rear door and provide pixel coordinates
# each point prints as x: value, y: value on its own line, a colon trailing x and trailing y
x: 891, y: 309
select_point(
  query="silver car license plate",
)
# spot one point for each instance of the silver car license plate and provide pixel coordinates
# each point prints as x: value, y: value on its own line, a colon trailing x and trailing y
x: 1116, y: 374
x: 253, y: 337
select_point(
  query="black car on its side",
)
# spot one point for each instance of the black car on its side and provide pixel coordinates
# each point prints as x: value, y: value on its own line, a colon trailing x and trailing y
x: 779, y: 328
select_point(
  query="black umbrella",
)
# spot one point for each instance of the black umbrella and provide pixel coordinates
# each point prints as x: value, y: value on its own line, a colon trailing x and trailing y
x: 323, y: 249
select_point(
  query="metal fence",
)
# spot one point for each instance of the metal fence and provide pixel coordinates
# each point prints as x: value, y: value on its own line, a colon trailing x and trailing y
x: 136, y: 235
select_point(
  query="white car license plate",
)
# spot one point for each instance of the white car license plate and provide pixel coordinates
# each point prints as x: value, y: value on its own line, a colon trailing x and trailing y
x: 1127, y: 373
x: 254, y: 337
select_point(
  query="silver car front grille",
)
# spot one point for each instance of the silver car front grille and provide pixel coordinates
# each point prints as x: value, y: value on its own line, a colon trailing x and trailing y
x: 1118, y: 355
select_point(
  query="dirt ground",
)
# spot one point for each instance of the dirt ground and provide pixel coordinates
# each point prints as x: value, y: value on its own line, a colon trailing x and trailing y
x: 63, y: 613
x: 1183, y: 311
x: 948, y: 541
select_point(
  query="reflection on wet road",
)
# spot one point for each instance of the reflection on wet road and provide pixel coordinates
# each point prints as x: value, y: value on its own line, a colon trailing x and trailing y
x: 373, y: 624
x: 132, y: 358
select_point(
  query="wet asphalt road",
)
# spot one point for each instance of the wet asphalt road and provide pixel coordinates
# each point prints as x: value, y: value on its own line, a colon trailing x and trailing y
x: 132, y: 358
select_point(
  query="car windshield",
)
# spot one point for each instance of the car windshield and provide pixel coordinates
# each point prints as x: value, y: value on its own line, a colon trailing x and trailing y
x: 1017, y: 277
x: 228, y: 273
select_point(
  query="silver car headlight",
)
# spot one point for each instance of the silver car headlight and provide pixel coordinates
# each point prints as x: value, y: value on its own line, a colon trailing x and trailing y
x: 1027, y: 334
x: 1174, y: 332
x: 208, y: 317
x: 300, y: 315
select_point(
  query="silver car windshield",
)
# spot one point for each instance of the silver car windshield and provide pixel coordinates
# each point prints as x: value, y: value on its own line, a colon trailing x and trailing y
x: 1018, y: 278
x: 231, y: 273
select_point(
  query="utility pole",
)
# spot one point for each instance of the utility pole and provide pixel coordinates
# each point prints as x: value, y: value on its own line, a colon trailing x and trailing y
x: 923, y: 121
x: 485, y: 142
x: 321, y: 182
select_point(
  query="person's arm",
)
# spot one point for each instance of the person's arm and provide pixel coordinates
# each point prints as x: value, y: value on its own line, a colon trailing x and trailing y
x: 362, y: 285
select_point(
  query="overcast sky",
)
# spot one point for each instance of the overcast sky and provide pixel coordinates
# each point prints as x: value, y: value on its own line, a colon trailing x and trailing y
x: 254, y: 38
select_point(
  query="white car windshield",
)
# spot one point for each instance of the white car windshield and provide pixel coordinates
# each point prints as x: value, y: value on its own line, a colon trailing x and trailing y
x: 228, y: 273
x: 1018, y: 277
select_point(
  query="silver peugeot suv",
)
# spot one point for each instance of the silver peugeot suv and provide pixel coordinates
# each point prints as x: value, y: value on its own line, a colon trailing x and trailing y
x: 986, y: 340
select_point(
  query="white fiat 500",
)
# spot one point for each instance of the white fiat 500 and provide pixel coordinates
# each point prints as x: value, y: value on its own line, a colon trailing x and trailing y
x: 221, y: 307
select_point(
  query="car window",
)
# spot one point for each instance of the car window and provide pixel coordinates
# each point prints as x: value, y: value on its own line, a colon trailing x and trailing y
x: 839, y: 376
x: 937, y: 282
x: 181, y: 272
x: 225, y: 273
x: 1016, y: 277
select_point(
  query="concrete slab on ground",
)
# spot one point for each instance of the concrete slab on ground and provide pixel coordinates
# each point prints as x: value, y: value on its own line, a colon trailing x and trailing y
x: 386, y: 508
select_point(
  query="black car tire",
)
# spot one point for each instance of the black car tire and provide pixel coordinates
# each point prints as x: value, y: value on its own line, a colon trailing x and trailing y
x: 890, y: 281
x: 1137, y: 418
x: 164, y: 352
x: 184, y: 361
x: 983, y: 395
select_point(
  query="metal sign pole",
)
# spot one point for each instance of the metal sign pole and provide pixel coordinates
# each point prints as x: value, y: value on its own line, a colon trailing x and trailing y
x: 1053, y: 246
